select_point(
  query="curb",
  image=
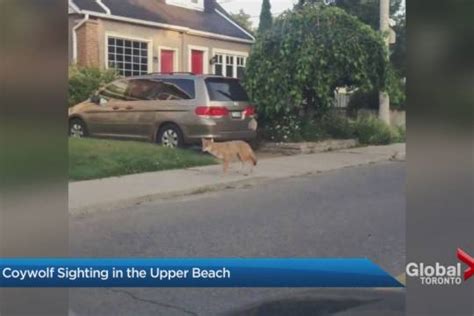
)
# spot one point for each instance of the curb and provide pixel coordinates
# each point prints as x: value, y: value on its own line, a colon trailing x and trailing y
x: 238, y: 184
x: 108, y: 206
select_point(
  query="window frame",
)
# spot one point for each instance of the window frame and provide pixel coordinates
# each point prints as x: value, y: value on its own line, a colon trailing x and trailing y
x: 133, y: 39
x: 235, y: 55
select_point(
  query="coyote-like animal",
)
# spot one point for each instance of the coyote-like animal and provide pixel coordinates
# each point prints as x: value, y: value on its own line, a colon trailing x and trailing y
x: 229, y: 151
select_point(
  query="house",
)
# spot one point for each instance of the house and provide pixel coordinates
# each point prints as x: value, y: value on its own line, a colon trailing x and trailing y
x: 143, y: 36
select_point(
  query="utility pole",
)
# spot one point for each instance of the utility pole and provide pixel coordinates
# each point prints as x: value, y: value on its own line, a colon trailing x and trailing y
x: 384, y: 98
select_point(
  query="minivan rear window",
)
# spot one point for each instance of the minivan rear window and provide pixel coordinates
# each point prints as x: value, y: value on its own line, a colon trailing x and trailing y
x: 222, y: 89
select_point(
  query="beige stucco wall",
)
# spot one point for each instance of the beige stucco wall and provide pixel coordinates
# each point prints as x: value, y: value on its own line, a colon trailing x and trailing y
x: 212, y: 45
x: 179, y: 41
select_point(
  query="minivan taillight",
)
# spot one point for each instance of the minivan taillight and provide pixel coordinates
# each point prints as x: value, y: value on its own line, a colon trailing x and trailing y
x: 250, y: 111
x: 212, y: 111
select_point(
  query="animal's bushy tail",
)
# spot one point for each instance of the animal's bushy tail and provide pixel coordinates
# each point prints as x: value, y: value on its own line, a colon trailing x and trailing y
x: 254, y: 158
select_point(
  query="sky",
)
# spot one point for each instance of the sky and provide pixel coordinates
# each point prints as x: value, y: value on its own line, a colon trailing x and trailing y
x: 253, y: 7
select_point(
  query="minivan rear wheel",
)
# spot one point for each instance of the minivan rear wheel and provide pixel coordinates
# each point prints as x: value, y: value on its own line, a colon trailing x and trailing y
x: 170, y: 136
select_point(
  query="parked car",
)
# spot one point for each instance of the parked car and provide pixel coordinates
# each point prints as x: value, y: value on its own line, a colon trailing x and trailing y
x: 169, y: 109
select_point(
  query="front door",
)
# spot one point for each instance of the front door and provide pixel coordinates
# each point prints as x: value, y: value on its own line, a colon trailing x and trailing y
x: 167, y: 61
x: 197, y: 62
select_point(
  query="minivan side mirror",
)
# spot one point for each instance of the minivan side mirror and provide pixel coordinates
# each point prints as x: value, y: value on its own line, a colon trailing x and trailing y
x: 98, y: 99
x: 95, y: 99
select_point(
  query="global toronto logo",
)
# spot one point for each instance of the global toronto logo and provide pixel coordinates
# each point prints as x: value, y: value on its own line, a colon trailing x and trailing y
x: 439, y: 274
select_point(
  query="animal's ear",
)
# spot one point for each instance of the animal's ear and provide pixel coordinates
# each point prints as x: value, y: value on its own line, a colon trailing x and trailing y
x: 212, y: 140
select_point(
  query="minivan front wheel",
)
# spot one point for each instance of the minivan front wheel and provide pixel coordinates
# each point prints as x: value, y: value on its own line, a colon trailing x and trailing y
x: 77, y: 128
x: 170, y: 136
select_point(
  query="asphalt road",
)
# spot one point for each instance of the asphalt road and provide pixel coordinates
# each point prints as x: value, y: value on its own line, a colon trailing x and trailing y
x: 352, y: 212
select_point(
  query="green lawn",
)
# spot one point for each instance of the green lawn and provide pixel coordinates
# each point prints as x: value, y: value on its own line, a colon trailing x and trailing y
x: 96, y: 158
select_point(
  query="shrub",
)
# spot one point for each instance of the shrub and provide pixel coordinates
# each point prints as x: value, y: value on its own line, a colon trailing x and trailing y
x: 293, y: 128
x: 372, y: 131
x: 295, y: 66
x: 400, y: 134
x: 368, y: 129
x: 314, y: 131
x: 84, y: 81
x: 286, y: 129
x: 337, y: 126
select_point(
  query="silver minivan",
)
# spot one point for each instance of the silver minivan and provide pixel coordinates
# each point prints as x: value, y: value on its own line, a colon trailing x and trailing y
x: 170, y: 109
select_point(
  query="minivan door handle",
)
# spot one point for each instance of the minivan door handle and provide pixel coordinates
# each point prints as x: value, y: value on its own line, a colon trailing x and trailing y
x: 115, y: 108
x: 129, y: 107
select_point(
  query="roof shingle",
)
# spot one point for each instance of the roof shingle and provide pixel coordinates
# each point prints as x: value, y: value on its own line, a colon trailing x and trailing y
x: 160, y: 12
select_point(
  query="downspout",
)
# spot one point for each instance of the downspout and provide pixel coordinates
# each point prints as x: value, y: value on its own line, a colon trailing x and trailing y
x: 183, y: 54
x: 74, y: 37
x: 103, y: 6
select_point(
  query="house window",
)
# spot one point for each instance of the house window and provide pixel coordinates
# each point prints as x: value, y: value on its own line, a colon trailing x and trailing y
x: 129, y: 57
x: 240, y: 67
x: 229, y: 65
x: 219, y: 65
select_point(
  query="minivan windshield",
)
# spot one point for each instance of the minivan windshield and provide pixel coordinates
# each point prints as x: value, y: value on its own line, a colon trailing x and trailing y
x: 223, y: 89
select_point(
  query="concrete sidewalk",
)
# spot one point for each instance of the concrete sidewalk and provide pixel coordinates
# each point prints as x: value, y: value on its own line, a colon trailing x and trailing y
x: 110, y: 193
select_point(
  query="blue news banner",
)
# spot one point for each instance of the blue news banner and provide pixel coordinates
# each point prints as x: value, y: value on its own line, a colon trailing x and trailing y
x: 74, y: 273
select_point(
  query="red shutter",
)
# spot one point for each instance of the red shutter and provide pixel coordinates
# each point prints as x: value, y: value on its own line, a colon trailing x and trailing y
x: 167, y: 61
x: 197, y: 62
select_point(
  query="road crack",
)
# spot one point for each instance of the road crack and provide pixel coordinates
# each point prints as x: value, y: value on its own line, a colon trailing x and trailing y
x: 153, y: 302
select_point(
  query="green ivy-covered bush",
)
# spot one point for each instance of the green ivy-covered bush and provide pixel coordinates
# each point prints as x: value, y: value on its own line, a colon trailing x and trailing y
x: 372, y: 131
x: 337, y: 125
x: 400, y: 134
x: 295, y: 67
x: 287, y: 128
x: 84, y: 81
x: 293, y: 129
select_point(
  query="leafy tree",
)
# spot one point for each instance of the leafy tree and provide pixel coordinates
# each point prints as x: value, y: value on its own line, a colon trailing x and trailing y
x: 368, y: 11
x: 399, y: 50
x: 243, y: 19
x: 294, y: 68
x: 266, y: 19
